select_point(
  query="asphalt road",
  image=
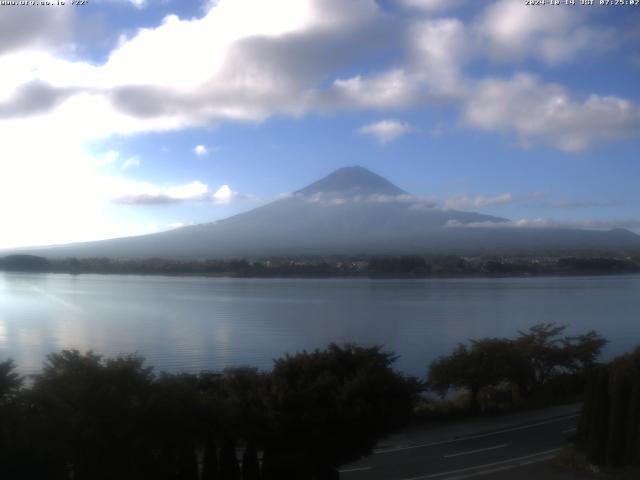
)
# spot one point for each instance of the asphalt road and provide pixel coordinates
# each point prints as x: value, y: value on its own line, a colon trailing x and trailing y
x: 489, y: 452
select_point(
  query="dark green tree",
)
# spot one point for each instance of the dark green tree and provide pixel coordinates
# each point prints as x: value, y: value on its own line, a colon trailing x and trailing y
x: 175, y: 421
x: 620, y: 393
x: 250, y: 463
x: 12, y: 431
x: 10, y: 381
x: 483, y: 363
x: 229, y: 467
x: 548, y: 353
x: 632, y: 449
x: 210, y: 469
x: 596, y: 425
x: 331, y: 406
x: 609, y: 429
x: 93, y: 413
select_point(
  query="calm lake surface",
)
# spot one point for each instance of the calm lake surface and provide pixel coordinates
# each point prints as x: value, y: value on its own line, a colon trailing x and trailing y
x: 191, y: 324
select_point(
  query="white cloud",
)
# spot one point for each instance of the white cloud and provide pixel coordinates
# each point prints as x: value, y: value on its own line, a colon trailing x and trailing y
x: 593, y: 224
x: 192, y: 190
x: 424, y: 203
x: 200, y: 150
x: 386, y: 131
x: 589, y: 224
x: 131, y: 162
x: 484, y: 201
x: 432, y: 5
x: 332, y: 199
x: 511, y: 32
x: 107, y: 158
x: 127, y: 192
x: 387, y: 90
x: 139, y: 193
x: 238, y: 67
x: 436, y: 51
x: 478, y: 201
x: 138, y: 3
x: 250, y: 68
x: 174, y: 225
x: 23, y: 28
x: 224, y: 194
x: 439, y: 48
x: 542, y: 112
x: 485, y: 224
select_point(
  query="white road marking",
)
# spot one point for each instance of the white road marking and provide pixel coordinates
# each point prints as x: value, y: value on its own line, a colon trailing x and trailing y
x: 470, y: 452
x: 569, y: 430
x: 520, y: 461
x: 472, y: 437
x: 355, y: 469
x: 482, y: 473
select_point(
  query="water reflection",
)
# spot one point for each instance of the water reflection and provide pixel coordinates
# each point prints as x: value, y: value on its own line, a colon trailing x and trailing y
x: 199, y: 323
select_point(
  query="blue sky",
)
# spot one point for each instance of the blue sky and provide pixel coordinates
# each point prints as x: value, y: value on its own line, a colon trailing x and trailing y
x: 128, y: 117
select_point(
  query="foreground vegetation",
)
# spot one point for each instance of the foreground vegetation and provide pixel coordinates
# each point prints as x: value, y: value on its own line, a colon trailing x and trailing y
x: 541, y: 364
x: 410, y: 266
x: 609, y: 429
x: 89, y: 417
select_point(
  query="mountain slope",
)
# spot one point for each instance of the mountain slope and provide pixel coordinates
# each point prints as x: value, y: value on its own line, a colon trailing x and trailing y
x: 351, y: 211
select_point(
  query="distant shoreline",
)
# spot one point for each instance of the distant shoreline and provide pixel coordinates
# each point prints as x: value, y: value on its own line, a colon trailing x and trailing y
x: 343, y: 277
x: 374, y: 268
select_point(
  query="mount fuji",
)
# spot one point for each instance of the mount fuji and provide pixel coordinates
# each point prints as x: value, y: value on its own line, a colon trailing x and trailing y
x: 349, y: 212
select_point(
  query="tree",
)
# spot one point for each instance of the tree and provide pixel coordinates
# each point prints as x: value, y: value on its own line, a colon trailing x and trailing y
x: 250, y: 463
x: 331, y: 406
x: 229, y: 468
x: 174, y: 421
x: 10, y: 381
x: 12, y: 442
x: 609, y: 431
x: 620, y: 392
x: 548, y: 353
x: 89, y: 417
x: 632, y: 450
x: 235, y: 409
x: 210, y: 469
x: 93, y: 413
x: 24, y: 263
x: 583, y: 350
x: 484, y: 363
x: 530, y: 361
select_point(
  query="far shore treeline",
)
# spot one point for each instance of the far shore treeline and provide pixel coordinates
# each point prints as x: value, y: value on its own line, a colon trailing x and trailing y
x: 89, y: 417
x: 385, y: 266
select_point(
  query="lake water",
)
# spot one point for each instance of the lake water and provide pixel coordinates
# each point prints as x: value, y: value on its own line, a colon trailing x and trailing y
x: 189, y: 324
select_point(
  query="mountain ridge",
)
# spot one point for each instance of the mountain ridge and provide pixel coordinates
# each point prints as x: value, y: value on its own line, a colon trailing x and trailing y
x: 350, y: 211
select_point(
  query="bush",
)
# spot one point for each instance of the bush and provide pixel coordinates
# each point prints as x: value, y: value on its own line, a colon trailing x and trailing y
x: 540, y: 362
x: 609, y: 427
x: 94, y: 418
